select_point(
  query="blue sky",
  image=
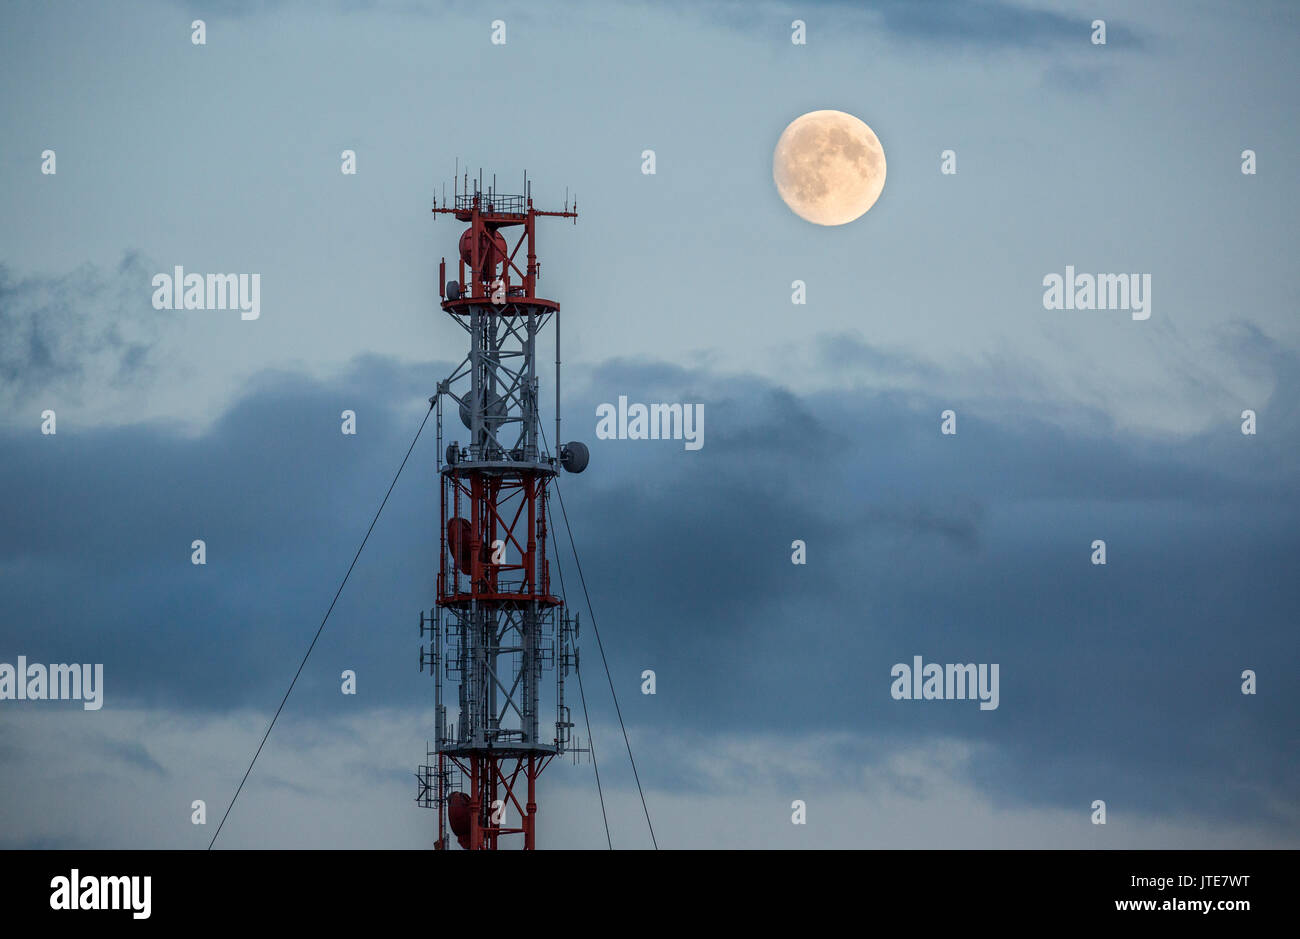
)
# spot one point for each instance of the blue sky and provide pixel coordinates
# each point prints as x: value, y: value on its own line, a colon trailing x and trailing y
x: 822, y: 421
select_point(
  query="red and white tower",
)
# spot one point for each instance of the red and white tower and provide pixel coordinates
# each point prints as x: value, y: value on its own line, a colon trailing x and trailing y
x: 498, y: 624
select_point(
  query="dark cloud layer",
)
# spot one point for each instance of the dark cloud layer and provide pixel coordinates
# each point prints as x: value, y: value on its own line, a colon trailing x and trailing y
x: 1118, y: 682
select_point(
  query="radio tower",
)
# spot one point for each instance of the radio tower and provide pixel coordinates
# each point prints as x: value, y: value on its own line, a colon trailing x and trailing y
x: 497, y: 625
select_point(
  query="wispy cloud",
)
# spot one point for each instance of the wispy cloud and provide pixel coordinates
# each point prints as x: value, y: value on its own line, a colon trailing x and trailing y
x: 986, y: 24
x: 80, y: 331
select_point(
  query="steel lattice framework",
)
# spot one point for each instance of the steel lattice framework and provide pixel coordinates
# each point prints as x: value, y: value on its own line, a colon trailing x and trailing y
x: 497, y: 625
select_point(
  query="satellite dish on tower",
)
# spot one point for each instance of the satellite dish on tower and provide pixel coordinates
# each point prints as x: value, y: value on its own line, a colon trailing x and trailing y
x: 493, y: 414
x: 575, y: 456
x: 493, y: 250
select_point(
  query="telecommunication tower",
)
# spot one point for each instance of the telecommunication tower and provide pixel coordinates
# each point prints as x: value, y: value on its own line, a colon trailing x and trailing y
x: 498, y: 625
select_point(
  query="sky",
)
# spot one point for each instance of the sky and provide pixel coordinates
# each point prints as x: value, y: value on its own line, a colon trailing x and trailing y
x: 1120, y: 683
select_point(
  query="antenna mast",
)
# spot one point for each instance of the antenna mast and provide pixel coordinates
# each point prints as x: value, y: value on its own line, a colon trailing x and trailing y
x: 498, y: 624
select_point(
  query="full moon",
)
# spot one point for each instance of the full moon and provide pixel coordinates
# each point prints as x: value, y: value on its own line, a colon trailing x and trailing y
x: 829, y: 167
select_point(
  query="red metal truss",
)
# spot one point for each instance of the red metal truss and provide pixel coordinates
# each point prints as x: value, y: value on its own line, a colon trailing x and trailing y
x: 492, y: 518
x: 494, y: 785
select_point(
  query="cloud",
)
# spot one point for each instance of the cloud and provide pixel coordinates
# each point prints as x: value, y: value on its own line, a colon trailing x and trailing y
x: 347, y: 782
x: 976, y: 24
x: 82, y: 330
x: 992, y: 23
x: 1118, y: 682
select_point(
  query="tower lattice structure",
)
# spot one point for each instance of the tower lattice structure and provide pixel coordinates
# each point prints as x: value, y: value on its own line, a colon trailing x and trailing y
x: 498, y: 624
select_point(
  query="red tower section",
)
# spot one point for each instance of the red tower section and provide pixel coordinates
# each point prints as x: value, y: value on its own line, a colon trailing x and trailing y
x: 497, y: 626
